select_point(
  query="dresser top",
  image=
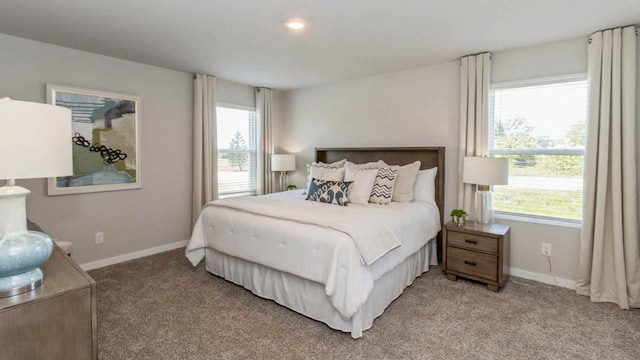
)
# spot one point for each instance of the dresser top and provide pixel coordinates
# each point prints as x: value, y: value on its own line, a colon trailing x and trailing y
x: 60, y: 276
x: 471, y: 227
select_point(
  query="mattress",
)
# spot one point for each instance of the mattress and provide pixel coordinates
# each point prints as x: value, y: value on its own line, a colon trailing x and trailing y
x: 323, y: 253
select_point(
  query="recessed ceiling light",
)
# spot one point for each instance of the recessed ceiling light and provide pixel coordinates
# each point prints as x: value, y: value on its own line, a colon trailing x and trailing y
x: 296, y: 24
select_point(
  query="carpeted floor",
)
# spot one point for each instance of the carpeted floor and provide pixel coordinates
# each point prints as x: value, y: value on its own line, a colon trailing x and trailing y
x: 160, y: 307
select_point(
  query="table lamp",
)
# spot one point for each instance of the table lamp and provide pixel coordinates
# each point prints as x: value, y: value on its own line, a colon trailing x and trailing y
x: 484, y: 172
x: 283, y: 163
x: 35, y: 142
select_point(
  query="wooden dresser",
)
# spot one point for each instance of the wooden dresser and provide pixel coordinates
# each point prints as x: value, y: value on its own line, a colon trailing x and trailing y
x: 55, y: 321
x: 478, y: 252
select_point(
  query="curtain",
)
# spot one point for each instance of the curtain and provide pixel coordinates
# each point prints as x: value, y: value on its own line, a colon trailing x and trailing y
x: 475, y: 76
x: 205, y: 147
x: 609, y: 264
x: 266, y: 180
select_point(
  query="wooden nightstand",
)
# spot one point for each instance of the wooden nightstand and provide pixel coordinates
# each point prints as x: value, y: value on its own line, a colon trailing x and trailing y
x: 476, y: 251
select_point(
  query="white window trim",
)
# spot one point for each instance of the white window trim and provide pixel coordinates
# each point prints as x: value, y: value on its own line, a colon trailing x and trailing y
x: 258, y: 151
x: 527, y: 83
x: 576, y: 224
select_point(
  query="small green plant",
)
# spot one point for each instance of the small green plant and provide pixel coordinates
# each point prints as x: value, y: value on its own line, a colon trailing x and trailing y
x: 459, y: 213
x: 459, y: 216
x: 291, y: 187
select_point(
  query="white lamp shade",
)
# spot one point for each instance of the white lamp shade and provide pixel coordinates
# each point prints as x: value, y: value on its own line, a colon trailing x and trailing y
x: 283, y: 162
x: 35, y: 140
x: 485, y: 170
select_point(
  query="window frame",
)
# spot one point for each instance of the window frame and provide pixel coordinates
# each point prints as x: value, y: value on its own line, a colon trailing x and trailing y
x: 257, y: 150
x: 550, y: 80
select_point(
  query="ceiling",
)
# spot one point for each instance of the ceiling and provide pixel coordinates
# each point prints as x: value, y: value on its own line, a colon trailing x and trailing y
x: 246, y: 41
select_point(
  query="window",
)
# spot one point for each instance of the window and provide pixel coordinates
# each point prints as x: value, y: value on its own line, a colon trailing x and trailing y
x: 237, y: 150
x: 540, y: 126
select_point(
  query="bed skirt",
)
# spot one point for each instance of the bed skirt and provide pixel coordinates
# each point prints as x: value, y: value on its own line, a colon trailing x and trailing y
x: 309, y: 298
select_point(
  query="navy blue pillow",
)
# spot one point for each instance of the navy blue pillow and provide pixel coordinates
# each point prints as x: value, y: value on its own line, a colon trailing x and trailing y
x: 331, y: 192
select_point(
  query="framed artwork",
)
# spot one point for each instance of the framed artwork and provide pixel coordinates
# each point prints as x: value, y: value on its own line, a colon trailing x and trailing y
x: 105, y: 137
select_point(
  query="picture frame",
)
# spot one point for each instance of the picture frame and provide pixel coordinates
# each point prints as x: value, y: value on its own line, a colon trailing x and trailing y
x: 106, y: 137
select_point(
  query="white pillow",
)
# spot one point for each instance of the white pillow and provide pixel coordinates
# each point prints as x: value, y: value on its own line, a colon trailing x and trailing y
x: 363, y: 180
x: 327, y: 174
x: 335, y: 165
x: 425, y: 188
x: 369, y: 165
x: 403, y: 188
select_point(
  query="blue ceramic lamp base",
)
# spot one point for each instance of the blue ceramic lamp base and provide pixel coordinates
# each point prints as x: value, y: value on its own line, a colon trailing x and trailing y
x: 21, y: 251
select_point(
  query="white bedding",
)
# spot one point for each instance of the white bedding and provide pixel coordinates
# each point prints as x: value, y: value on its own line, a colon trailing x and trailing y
x: 315, y: 252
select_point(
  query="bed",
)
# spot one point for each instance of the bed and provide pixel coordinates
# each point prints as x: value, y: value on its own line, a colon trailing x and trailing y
x: 323, y: 265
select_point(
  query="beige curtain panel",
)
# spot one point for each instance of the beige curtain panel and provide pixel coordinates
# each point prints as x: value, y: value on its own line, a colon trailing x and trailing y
x: 609, y: 264
x: 475, y: 77
x: 205, y: 145
x: 266, y: 180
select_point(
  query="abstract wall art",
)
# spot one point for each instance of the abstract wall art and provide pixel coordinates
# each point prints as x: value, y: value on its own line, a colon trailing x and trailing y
x: 105, y: 139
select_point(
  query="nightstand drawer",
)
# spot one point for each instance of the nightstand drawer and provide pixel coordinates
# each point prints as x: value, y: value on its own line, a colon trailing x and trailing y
x: 473, y: 242
x: 472, y: 263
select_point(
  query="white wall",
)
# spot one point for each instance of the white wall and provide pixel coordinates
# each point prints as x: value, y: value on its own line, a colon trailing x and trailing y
x: 421, y: 107
x: 132, y: 220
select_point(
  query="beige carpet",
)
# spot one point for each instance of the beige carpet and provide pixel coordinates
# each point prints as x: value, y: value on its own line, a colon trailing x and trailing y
x: 160, y: 307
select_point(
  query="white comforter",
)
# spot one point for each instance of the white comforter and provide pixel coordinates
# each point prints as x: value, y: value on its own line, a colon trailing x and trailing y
x: 319, y: 242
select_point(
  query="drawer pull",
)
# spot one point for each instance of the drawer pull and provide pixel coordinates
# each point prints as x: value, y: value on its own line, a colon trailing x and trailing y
x: 470, y: 241
x: 472, y: 263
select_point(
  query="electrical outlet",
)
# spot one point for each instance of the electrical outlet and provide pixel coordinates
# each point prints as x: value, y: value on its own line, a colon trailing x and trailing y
x: 546, y: 249
x: 99, y: 237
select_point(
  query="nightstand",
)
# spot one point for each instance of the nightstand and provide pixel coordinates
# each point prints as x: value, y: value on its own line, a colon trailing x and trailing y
x: 477, y: 251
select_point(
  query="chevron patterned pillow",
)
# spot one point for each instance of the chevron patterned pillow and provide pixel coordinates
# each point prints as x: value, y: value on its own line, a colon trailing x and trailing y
x: 382, y: 191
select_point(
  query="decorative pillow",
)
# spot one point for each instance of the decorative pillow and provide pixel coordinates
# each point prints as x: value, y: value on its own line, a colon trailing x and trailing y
x: 403, y: 188
x: 425, y: 188
x: 349, y: 166
x: 382, y: 190
x: 315, y: 165
x: 363, y: 180
x: 327, y: 174
x: 332, y: 192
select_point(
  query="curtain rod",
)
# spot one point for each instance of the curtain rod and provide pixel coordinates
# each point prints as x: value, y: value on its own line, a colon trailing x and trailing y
x: 636, y: 27
x: 196, y: 75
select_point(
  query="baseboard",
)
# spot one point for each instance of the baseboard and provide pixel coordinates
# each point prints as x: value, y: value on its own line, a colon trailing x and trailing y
x: 133, y: 255
x: 543, y: 278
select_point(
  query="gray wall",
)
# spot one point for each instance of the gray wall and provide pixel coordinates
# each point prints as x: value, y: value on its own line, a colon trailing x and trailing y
x: 421, y: 107
x: 131, y: 220
x: 561, y: 58
x: 409, y: 108
x: 229, y: 92
x: 234, y: 93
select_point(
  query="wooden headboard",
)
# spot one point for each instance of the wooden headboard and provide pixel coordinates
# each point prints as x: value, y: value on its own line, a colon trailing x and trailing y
x: 429, y: 157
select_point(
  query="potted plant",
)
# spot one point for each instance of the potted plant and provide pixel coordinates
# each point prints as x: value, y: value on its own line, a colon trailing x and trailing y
x: 459, y: 216
x: 291, y: 187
